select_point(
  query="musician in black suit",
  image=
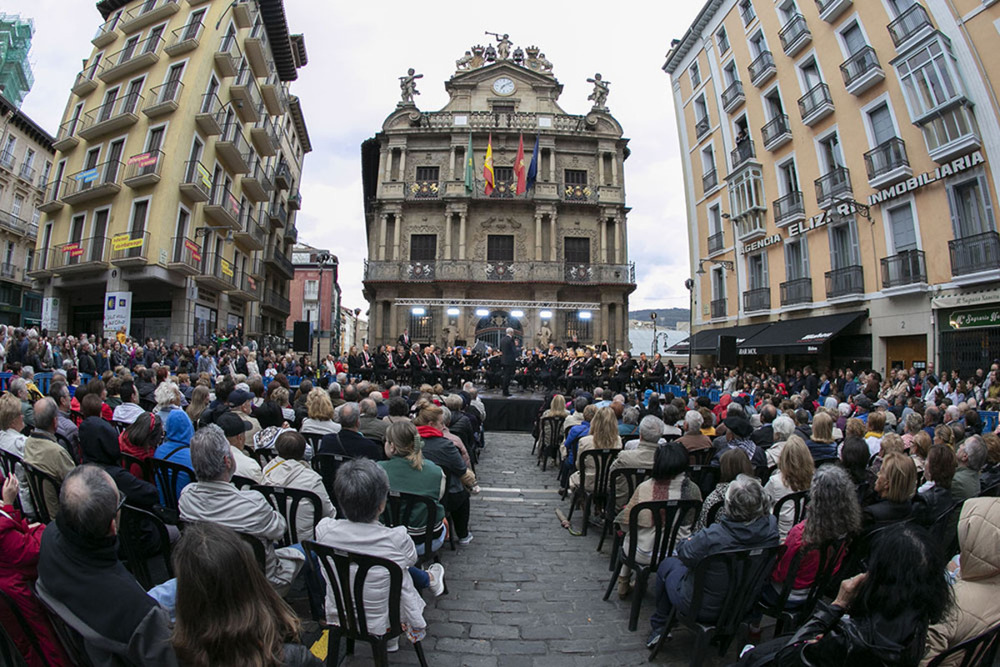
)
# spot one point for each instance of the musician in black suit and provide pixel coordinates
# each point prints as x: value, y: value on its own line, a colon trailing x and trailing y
x: 655, y: 371
x: 624, y: 374
x: 508, y: 354
x: 416, y: 362
x: 404, y: 339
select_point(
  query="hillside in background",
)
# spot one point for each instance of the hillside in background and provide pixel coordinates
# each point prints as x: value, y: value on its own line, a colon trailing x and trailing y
x: 668, y: 317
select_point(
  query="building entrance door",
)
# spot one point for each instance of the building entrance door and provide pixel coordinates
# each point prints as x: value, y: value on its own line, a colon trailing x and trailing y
x: 491, y: 329
x: 902, y: 352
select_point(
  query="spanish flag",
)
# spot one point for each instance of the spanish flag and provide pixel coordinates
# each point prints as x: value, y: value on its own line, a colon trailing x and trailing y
x: 519, y: 170
x: 488, y: 167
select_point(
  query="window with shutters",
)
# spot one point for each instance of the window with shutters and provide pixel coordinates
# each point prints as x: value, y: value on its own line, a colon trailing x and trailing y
x: 429, y: 174
x: 577, y: 250
x: 880, y: 122
x: 502, y: 107
x: 971, y: 209
x: 423, y: 247
x: 844, y: 244
x: 503, y: 174
x: 757, y: 270
x: 576, y: 176
x: 796, y: 259
x: 904, y: 236
x: 854, y: 39
x: 500, y: 248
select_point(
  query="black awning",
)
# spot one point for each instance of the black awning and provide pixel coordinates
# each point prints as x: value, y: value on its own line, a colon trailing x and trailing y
x: 706, y: 341
x: 806, y: 335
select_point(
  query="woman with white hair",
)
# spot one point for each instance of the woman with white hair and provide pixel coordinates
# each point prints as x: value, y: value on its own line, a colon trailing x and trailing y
x: 783, y: 427
x: 693, y: 439
x: 168, y: 397
x: 747, y: 524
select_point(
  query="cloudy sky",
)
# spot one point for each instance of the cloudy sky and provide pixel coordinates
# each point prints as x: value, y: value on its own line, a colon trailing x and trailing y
x: 357, y: 51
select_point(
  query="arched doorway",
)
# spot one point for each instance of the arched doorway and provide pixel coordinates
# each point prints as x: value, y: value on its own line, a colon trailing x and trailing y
x: 491, y: 328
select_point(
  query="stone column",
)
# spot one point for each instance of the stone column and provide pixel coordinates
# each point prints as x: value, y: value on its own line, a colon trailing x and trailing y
x: 387, y: 157
x: 402, y: 164
x: 396, y: 233
x: 552, y: 166
x: 553, y: 251
x: 451, y: 163
x: 614, y: 170
x: 461, y: 234
x: 381, y: 235
x: 538, y: 237
x: 619, y: 240
x: 600, y: 168
x: 605, y: 324
x: 603, y: 257
x: 447, y: 233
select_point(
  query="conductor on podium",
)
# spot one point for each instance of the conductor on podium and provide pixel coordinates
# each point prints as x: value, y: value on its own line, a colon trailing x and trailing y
x: 508, y: 359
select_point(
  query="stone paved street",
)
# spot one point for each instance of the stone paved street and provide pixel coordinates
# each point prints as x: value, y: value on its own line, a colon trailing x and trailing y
x: 525, y: 591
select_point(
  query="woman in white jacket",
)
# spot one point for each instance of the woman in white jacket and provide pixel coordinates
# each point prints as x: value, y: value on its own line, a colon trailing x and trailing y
x: 290, y: 470
x: 794, y: 474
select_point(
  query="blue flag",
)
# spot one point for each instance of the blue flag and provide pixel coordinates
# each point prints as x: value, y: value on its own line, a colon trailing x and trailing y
x: 533, y: 167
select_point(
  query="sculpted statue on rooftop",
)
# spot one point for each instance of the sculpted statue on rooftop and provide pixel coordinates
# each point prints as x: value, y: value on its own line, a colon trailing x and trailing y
x: 408, y: 87
x: 600, y: 92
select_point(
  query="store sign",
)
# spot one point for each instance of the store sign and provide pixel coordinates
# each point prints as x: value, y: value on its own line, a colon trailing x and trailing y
x: 968, y: 299
x: 956, y: 166
x: 117, y: 312
x: 761, y: 243
x: 981, y: 317
x: 834, y: 214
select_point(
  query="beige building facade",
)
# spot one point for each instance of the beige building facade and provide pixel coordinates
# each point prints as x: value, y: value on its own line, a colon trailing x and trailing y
x: 26, y: 156
x: 455, y: 265
x: 171, y: 204
x: 841, y: 197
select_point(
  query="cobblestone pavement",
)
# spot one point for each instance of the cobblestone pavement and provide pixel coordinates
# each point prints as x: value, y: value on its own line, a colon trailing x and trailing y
x: 525, y: 591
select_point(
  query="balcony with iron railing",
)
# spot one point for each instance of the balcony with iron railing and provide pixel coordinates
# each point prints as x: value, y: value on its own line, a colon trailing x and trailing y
x: 830, y: 10
x: 216, y: 273
x: 185, y: 256
x: 795, y: 35
x: 232, y: 149
x: 85, y: 255
x: 716, y: 243
x: 196, y: 185
x: 283, y: 176
x: 136, y: 56
x: 258, y: 183
x: 130, y: 249
x: 51, y: 196
x: 816, y: 104
x: 788, y: 209
x: 144, y: 169
x: 733, y: 96
x: 757, y: 299
x: 246, y: 288
x: 273, y: 94
x: 163, y: 99
x: 278, y: 215
x: 184, y: 39
x: 277, y: 259
x: 887, y: 163
x: 978, y: 253
x: 423, y: 190
x: 750, y: 227
x: 743, y: 152
x: 762, y: 68
x: 222, y: 209
x: 845, y: 282
x: 244, y: 95
x: 66, y: 139
x: 99, y: 182
x: 776, y: 133
x: 796, y: 292
x: 148, y: 13
x: 115, y: 116
x: 747, y: 14
x: 701, y: 127
x: 719, y: 308
x: 13, y: 223
x: 709, y: 180
x: 911, y: 24
x: 291, y: 233
x: 9, y: 271
x: 264, y: 136
x: 275, y: 301
x: 7, y: 160
x: 85, y: 83
x: 228, y: 56
x: 832, y: 186
x: 477, y: 271
x: 244, y: 13
x: 574, y: 193
x: 106, y: 33
x: 295, y: 201
x: 861, y: 71
x: 257, y: 50
x: 26, y: 172
x: 211, y: 116
x: 905, y: 268
x: 464, y: 121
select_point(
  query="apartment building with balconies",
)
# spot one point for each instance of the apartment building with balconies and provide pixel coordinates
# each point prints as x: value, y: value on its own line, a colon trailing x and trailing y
x: 314, y: 295
x: 840, y: 196
x: 167, y: 176
x: 456, y: 264
x: 26, y: 156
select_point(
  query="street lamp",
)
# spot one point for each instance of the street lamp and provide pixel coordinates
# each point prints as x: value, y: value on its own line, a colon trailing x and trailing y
x: 357, y: 315
x: 652, y: 316
x: 724, y: 263
x: 689, y: 284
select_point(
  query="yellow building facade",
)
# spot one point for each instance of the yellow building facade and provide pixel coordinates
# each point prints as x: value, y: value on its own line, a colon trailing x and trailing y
x: 175, y: 183
x: 840, y: 195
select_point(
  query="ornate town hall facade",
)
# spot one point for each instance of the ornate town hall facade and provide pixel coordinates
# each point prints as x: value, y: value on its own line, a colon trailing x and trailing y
x: 452, y: 263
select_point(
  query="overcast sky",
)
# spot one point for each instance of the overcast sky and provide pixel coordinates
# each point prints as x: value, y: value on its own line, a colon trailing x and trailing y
x: 357, y: 51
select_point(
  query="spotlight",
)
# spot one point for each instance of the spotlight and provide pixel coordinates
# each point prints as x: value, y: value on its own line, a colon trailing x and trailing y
x: 546, y: 314
x: 482, y: 312
x: 517, y: 313
x: 417, y: 310
x: 584, y: 315
x: 453, y: 311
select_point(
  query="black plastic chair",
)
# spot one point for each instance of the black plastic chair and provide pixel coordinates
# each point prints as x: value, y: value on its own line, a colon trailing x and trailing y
x: 259, y: 552
x: 37, y: 483
x: 831, y: 554
x: 8, y: 466
x: 262, y: 456
x: 131, y: 529
x: 71, y: 639
x: 826, y: 462
x: 630, y: 478
x: 241, y: 482
x: 629, y: 438
x: 9, y: 653
x: 990, y: 491
x: 314, y: 440
x: 746, y: 572
x: 327, y: 465
x: 668, y: 517
x: 347, y: 589
x: 287, y: 501
x: 167, y: 476
x: 602, y: 459
x: 701, y: 457
x: 800, y: 499
x: 144, y: 466
x: 980, y: 650
x: 550, y: 434
x: 706, y: 477
x: 944, y: 530
x: 713, y: 512
x: 399, y: 510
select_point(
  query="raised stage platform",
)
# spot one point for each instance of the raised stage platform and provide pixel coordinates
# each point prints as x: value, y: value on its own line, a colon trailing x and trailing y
x: 514, y: 413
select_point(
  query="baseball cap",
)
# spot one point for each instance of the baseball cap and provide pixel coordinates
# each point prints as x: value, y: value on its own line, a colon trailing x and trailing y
x: 238, y: 397
x: 231, y: 424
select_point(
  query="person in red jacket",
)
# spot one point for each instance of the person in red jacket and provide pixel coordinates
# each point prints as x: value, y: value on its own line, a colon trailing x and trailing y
x: 19, y: 548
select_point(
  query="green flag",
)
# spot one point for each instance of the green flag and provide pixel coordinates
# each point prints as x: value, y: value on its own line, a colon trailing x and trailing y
x: 470, y: 176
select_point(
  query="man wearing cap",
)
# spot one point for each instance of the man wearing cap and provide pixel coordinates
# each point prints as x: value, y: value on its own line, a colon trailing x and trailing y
x: 738, y: 432
x: 863, y: 405
x: 235, y: 430
x: 241, y: 403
